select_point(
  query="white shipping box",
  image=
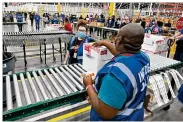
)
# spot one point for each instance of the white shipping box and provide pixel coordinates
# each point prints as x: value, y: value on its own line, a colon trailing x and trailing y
x: 161, y: 53
x: 154, y: 44
x: 94, y: 58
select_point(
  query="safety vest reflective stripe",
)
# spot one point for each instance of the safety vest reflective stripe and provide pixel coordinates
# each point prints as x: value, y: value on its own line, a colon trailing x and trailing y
x: 95, y: 88
x: 80, y: 57
x: 130, y: 75
x: 129, y: 111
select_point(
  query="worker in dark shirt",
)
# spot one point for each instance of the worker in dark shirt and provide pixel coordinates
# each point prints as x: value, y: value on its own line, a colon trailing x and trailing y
x: 32, y: 18
x: 168, y: 24
x: 100, y: 20
x: 118, y: 23
x: 25, y: 15
x: 179, y: 49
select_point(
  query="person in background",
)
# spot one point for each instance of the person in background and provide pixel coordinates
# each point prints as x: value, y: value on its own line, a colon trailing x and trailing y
x: 51, y: 20
x: 100, y: 20
x: 111, y: 25
x: 152, y: 22
x: 55, y: 19
x: 62, y: 18
x: 112, y: 22
x: 147, y: 28
x: 11, y: 17
x: 169, y: 25
x: 118, y: 23
x: 67, y: 25
x: 179, y: 48
x: 80, y: 17
x: 125, y: 21
x: 87, y: 18
x: 143, y: 24
x: 119, y: 89
x: 157, y: 28
x: 32, y: 18
x: 96, y: 18
x: 107, y: 24
x: 75, y: 46
x: 19, y: 18
x: 70, y: 19
x: 45, y: 20
x: 25, y: 15
x: 91, y: 20
x: 37, y: 21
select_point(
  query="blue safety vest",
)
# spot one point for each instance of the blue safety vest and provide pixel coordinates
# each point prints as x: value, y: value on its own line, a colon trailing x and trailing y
x: 19, y: 18
x: 180, y: 94
x: 133, y: 72
x: 80, y: 49
x: 159, y: 29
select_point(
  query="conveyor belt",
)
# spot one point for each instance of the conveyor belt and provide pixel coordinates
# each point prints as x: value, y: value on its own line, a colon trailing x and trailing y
x: 159, y: 62
x: 35, y: 38
x: 14, y: 23
x: 38, y: 86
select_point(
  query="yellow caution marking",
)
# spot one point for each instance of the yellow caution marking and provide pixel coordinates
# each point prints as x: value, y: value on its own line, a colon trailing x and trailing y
x: 70, y: 114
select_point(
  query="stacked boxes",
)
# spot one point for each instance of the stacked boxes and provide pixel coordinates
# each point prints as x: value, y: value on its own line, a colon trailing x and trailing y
x: 155, y: 45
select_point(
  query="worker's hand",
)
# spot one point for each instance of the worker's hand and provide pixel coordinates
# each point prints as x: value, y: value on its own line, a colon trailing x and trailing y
x: 87, y: 80
x: 89, y: 101
x: 98, y: 44
x: 65, y: 62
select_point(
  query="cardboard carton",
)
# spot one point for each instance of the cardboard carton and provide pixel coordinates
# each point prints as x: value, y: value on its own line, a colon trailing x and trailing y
x: 94, y: 58
x: 100, y: 24
x: 154, y: 44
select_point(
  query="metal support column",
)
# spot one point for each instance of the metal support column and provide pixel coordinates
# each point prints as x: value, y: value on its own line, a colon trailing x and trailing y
x: 41, y: 60
x: 25, y: 61
x: 60, y: 43
x: 54, y: 59
x: 45, y: 49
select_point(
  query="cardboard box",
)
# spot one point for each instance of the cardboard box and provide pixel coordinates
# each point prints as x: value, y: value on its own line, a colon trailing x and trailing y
x: 154, y: 44
x: 94, y: 58
x: 93, y: 24
x: 100, y: 24
x: 161, y: 53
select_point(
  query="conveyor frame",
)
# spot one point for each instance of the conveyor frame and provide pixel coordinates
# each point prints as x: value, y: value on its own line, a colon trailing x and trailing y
x: 39, y: 38
x: 38, y: 107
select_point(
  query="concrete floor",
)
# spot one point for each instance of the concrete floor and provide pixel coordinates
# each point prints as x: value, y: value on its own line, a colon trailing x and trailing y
x: 173, y: 114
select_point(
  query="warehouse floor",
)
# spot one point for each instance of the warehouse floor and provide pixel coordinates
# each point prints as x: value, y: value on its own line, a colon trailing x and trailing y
x: 173, y: 114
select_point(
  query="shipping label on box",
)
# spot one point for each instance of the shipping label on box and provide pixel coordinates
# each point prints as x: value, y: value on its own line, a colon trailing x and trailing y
x: 94, y: 58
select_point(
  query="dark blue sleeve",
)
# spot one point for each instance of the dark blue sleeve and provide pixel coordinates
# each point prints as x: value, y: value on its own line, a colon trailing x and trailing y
x: 181, y: 31
x: 90, y: 39
x: 72, y: 41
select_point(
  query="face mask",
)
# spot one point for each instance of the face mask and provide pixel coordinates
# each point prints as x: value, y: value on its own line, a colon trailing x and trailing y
x: 82, y: 35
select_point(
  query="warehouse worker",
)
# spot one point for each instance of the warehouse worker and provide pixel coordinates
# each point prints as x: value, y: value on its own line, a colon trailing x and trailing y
x: 37, y: 20
x: 120, y: 86
x: 67, y: 25
x: 179, y: 49
x: 19, y: 18
x: 32, y: 18
x: 75, y: 47
x: 157, y: 28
